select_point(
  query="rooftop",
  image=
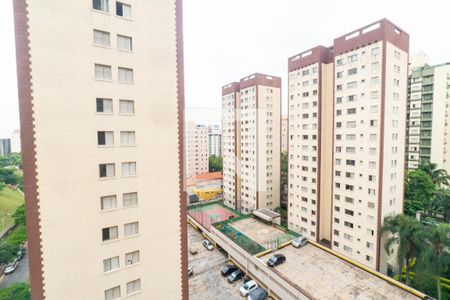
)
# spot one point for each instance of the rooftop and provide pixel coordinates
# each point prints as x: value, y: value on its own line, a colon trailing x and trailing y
x: 325, y: 276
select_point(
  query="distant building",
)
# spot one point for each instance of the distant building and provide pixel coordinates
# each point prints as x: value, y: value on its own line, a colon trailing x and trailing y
x: 251, y: 142
x: 428, y: 124
x: 214, y: 140
x: 284, y: 134
x: 197, y: 149
x: 347, y: 125
x: 5, y: 147
x: 15, y: 141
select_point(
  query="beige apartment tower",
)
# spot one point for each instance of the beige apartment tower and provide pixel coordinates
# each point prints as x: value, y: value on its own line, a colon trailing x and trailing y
x: 197, y: 148
x: 251, y: 133
x: 347, y: 118
x: 101, y: 105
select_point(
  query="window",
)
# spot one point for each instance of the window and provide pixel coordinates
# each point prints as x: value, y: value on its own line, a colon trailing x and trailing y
x: 130, y: 199
x: 125, y: 75
x: 128, y: 168
x: 112, y: 293
x: 105, y: 138
x: 110, y: 264
x: 132, y: 258
x: 101, y: 38
x: 104, y: 105
x: 348, y: 237
x: 131, y: 228
x: 351, y: 98
x: 375, y: 80
x: 349, y: 212
x: 126, y: 107
x: 102, y: 5
x: 103, y: 72
x: 375, y: 51
x: 352, y: 58
x: 369, y: 245
x: 110, y: 233
x: 123, y: 10
x: 374, y: 95
x: 107, y: 170
x: 133, y: 286
x: 369, y: 258
x: 348, y: 224
x: 351, y: 111
x: 124, y: 42
x: 352, y: 71
x: 108, y: 202
x: 127, y: 138
x: 348, y: 249
x: 351, y: 85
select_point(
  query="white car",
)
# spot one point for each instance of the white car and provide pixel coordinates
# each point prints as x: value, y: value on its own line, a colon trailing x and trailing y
x: 299, y: 242
x: 248, y: 287
x: 208, y: 245
x: 11, y: 267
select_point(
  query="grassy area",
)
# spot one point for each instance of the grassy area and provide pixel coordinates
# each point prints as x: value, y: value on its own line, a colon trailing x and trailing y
x: 10, y: 199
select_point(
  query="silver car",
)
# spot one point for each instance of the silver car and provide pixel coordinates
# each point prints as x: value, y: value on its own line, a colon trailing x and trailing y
x: 299, y: 242
x: 248, y: 287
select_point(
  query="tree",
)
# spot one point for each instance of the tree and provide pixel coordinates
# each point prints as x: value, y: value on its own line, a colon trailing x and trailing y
x: 215, y: 163
x: 407, y: 232
x: 438, y: 176
x: 442, y: 203
x: 19, y: 215
x: 7, y: 252
x: 18, y: 291
x: 436, y: 255
x: 419, y: 192
x: 8, y: 176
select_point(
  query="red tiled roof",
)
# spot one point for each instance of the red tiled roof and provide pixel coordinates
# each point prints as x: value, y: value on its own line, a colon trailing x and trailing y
x: 209, y: 176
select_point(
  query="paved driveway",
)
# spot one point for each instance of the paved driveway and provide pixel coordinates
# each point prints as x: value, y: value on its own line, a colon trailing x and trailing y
x: 208, y: 283
x: 21, y: 274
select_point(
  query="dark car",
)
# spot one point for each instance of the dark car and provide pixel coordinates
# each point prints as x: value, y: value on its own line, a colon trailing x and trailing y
x: 235, y: 276
x: 227, y: 270
x: 276, y: 260
x: 258, y: 294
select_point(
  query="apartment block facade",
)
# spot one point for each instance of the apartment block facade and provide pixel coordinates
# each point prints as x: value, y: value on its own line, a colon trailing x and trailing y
x: 347, y: 123
x: 15, y: 141
x: 428, y: 139
x: 284, y: 134
x: 5, y: 147
x: 251, y: 122
x: 214, y: 140
x: 101, y: 100
x: 197, y: 138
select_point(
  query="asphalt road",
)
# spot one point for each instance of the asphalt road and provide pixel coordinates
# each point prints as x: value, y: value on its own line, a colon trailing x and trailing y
x: 21, y: 274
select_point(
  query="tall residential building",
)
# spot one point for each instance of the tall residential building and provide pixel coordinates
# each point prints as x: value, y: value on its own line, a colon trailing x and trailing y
x: 214, y: 140
x: 429, y: 116
x: 284, y: 134
x: 251, y: 124
x: 347, y: 117
x: 101, y: 96
x: 197, y: 149
x: 5, y: 147
x: 15, y: 141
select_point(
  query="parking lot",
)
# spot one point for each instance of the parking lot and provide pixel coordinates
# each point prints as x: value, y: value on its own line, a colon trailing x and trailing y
x: 207, y: 282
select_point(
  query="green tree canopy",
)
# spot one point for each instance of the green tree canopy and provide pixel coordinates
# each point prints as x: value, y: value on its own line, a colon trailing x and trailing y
x: 438, y: 176
x: 7, y: 252
x: 419, y: 192
x: 215, y: 163
x: 19, y: 291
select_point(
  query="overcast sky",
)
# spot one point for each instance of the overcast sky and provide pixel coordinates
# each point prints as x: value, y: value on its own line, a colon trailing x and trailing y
x: 226, y: 40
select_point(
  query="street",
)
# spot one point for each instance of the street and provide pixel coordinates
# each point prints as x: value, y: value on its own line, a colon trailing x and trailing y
x: 19, y: 275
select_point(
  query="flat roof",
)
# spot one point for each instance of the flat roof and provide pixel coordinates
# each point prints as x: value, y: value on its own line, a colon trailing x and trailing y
x: 325, y: 276
x: 257, y: 231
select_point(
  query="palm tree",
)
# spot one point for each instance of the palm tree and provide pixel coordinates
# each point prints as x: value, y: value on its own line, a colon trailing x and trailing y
x: 438, y: 176
x: 407, y: 232
x: 436, y: 256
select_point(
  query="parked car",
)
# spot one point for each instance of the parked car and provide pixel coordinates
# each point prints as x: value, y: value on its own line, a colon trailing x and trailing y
x: 21, y: 253
x: 299, y: 242
x: 258, y: 294
x: 276, y: 260
x: 227, y: 270
x: 248, y: 287
x: 190, y: 271
x: 235, y: 276
x: 208, y: 245
x: 11, y: 267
